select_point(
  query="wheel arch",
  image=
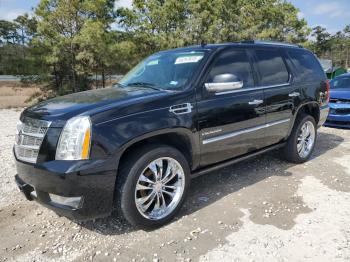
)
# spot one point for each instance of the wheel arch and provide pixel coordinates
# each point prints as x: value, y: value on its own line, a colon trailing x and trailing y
x: 180, y: 138
x: 311, y: 108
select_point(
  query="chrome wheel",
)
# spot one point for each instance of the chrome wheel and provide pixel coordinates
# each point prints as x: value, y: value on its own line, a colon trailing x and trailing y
x: 306, y: 139
x: 159, y: 188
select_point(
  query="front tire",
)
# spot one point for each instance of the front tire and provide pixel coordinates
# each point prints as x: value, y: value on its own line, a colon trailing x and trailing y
x: 302, y: 140
x: 152, y: 185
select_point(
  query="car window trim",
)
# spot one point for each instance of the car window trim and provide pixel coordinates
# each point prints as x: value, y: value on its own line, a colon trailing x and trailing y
x: 206, y: 95
x: 296, y: 69
x: 253, y: 88
x: 289, y: 71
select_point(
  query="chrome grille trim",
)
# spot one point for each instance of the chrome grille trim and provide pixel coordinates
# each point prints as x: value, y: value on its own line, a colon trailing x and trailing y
x: 37, y: 135
x: 339, y: 100
x: 30, y: 140
x: 29, y: 137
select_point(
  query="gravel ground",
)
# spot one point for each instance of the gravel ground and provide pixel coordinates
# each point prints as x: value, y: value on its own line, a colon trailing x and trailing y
x: 263, y: 209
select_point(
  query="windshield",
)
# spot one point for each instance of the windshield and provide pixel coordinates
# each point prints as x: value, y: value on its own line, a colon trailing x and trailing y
x: 341, y: 82
x: 170, y: 70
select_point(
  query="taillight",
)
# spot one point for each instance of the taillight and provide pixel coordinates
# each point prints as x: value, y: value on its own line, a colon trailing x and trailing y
x: 328, y: 88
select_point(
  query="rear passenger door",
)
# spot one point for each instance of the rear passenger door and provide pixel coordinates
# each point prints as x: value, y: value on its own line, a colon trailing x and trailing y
x: 281, y: 93
x: 230, y: 122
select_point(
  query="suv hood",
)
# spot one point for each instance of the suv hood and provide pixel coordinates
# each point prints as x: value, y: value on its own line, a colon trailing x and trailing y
x: 64, y: 107
x: 343, y: 93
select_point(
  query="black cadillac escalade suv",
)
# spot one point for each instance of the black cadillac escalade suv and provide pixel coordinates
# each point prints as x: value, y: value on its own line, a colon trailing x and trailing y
x: 134, y: 148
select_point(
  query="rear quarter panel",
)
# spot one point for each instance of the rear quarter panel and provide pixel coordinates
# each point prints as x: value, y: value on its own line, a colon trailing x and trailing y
x: 313, y: 88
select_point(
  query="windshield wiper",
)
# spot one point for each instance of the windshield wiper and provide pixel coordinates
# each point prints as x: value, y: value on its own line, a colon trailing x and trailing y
x: 145, y: 84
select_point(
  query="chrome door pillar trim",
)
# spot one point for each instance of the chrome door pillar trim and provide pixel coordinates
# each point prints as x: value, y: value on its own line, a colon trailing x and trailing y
x: 240, y: 132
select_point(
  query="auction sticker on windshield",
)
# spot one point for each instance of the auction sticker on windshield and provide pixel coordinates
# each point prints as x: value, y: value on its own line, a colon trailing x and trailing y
x: 188, y: 59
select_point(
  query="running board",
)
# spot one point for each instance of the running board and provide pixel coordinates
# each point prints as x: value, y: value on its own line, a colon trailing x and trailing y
x: 235, y: 160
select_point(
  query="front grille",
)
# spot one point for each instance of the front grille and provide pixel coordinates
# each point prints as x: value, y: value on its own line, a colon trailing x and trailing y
x: 339, y: 100
x: 340, y: 123
x: 30, y: 134
x: 31, y: 140
x: 342, y: 111
x: 35, y: 129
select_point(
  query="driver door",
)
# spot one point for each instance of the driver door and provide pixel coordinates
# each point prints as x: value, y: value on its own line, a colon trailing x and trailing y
x: 231, y: 112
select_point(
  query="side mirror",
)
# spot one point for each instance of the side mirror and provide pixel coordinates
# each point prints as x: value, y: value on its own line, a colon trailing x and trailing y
x: 223, y: 83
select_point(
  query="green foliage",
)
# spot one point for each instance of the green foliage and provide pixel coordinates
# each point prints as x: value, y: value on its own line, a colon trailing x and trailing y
x: 68, y: 43
x: 172, y: 23
x: 16, y: 56
x: 334, y: 47
x: 8, y: 32
x: 322, y: 40
x: 75, y: 37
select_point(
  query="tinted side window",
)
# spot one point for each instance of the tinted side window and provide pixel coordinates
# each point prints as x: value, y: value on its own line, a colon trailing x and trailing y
x: 272, y: 68
x: 233, y: 62
x: 306, y: 64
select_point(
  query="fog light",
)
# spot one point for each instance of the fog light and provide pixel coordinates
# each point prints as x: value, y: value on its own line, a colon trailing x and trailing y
x: 74, y: 202
x: 33, y: 194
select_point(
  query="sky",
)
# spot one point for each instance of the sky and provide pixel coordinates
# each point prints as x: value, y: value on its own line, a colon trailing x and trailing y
x: 334, y: 15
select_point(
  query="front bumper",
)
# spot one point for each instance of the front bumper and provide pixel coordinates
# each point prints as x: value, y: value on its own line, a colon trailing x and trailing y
x: 338, y: 120
x: 90, y: 182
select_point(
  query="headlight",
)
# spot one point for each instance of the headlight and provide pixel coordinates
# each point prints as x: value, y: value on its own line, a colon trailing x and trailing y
x: 74, y: 142
x: 18, y: 129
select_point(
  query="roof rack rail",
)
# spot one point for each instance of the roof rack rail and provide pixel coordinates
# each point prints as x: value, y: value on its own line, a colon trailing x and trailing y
x: 264, y: 42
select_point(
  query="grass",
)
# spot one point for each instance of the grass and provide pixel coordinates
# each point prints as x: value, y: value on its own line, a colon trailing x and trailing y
x: 14, y: 94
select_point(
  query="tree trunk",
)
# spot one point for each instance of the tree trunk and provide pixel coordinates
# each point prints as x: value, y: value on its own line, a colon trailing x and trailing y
x: 96, y: 80
x: 74, y: 80
x: 73, y: 69
x: 57, y: 85
x: 103, y: 77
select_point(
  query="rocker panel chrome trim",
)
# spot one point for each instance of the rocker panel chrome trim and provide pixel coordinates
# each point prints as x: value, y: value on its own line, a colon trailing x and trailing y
x: 240, y: 132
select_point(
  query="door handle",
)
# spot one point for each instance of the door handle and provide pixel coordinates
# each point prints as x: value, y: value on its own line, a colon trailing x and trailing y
x: 256, y: 102
x: 294, y: 94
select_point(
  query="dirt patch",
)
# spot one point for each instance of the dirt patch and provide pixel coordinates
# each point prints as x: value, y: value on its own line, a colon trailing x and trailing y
x: 15, y: 95
x: 321, y: 235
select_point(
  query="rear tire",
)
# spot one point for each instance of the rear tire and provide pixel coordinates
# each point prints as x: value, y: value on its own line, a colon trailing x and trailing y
x: 302, y: 140
x: 152, y: 184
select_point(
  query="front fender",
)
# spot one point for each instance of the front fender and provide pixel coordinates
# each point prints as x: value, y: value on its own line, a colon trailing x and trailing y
x: 112, y: 138
x: 191, y: 137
